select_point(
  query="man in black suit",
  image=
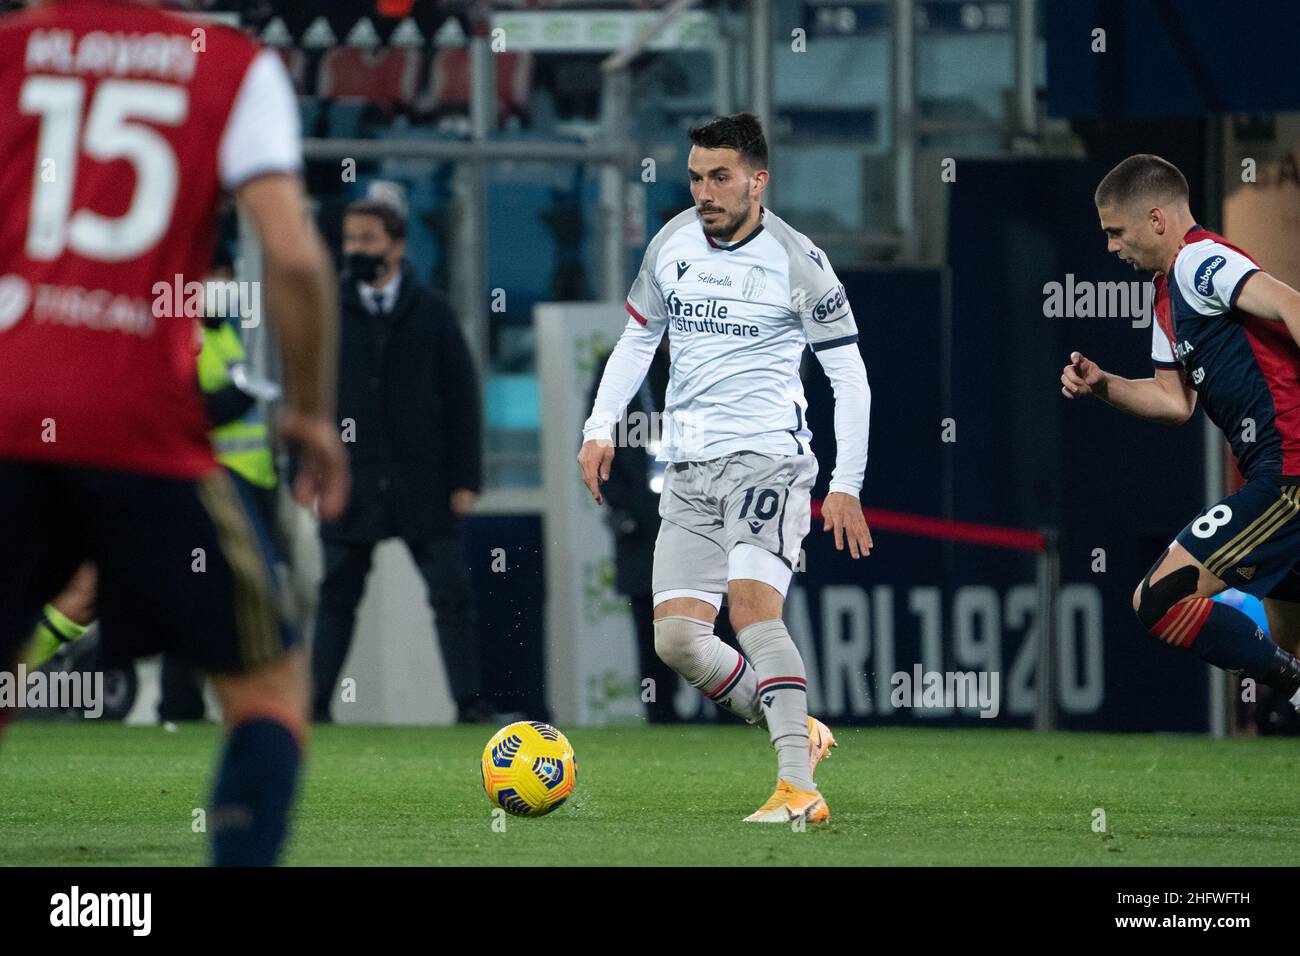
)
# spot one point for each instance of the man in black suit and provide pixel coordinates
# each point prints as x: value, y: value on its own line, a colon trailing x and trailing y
x: 409, y: 412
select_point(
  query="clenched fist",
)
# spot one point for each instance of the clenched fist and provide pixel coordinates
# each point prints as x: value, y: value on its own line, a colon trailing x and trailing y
x: 1082, y: 377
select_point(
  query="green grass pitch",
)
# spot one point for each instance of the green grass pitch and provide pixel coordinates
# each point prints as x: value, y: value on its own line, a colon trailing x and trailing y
x: 92, y: 794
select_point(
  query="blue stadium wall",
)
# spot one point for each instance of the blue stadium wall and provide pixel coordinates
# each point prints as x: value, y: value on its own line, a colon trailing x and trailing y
x: 1167, y: 58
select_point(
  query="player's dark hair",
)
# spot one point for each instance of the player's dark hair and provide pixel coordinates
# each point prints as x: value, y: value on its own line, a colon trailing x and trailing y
x: 393, y: 222
x: 742, y: 132
x: 1143, y: 176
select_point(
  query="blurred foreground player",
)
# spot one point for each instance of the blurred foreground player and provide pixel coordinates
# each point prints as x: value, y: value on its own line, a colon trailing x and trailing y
x: 241, y: 441
x: 242, y: 444
x: 1225, y: 331
x: 123, y: 125
x: 742, y: 295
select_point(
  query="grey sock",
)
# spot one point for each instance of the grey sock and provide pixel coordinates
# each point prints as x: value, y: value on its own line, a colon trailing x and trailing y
x: 783, y: 695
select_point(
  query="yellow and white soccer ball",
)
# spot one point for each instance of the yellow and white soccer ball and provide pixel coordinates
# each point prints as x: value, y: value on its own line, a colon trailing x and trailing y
x: 528, y: 768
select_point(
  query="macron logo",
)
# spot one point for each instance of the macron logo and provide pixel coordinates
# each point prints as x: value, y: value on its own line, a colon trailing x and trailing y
x: 103, y: 909
x: 816, y: 257
x: 682, y: 266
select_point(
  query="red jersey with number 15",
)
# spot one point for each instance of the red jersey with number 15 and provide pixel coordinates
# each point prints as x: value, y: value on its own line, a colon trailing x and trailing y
x: 122, y: 125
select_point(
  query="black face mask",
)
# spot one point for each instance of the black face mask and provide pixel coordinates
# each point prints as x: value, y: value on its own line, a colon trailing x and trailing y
x: 365, y: 268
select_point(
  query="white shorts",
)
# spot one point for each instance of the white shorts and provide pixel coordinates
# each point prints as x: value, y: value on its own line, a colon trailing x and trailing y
x: 740, y: 516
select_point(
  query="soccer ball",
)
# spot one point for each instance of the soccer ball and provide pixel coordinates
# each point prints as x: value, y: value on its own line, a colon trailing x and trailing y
x: 528, y: 768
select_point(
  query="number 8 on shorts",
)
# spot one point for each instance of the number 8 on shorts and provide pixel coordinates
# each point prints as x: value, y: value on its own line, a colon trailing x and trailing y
x: 1212, y: 521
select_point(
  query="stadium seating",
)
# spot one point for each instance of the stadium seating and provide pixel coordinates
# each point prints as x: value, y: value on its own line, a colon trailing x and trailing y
x: 448, y: 83
x: 386, y: 79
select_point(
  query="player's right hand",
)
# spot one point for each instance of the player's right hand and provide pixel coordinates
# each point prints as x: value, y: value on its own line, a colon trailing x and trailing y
x: 595, y: 459
x: 1081, y: 377
x: 323, y: 473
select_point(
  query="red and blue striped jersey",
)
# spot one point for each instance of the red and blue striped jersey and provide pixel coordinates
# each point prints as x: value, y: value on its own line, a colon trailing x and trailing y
x: 1245, y: 369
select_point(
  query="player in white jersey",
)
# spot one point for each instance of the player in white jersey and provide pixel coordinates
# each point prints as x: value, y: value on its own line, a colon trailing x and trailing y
x: 741, y: 294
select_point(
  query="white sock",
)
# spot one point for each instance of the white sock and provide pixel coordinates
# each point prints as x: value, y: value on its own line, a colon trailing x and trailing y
x: 783, y: 695
x: 716, y: 669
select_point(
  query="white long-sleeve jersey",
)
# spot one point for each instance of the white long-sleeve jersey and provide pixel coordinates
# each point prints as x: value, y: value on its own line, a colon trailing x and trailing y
x: 739, y: 317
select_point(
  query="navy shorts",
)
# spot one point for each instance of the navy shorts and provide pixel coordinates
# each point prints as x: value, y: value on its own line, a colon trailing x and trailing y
x: 184, y: 566
x: 1251, y: 539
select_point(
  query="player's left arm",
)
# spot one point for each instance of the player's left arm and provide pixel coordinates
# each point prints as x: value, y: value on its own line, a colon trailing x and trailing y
x: 1271, y: 299
x: 260, y: 163
x: 819, y: 299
